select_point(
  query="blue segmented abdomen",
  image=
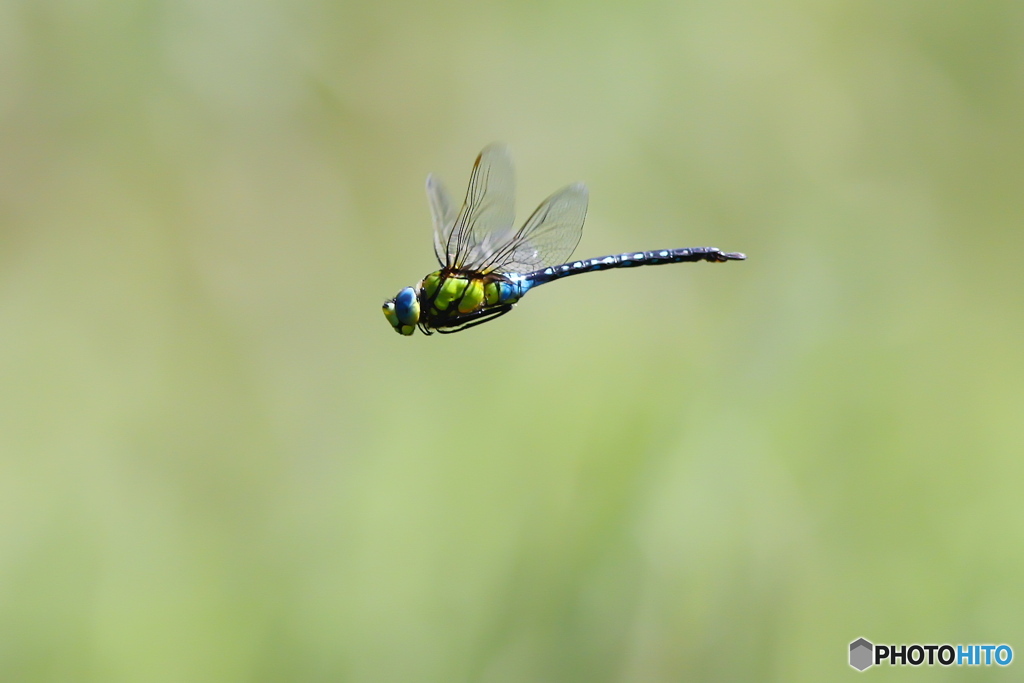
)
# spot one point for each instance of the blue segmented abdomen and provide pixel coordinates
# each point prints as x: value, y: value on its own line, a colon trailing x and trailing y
x: 515, y: 289
x: 630, y: 259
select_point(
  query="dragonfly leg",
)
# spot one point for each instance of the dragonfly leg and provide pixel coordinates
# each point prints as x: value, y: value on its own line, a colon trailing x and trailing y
x: 478, y: 318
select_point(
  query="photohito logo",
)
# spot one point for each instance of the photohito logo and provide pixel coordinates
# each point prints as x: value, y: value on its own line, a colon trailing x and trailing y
x: 863, y: 653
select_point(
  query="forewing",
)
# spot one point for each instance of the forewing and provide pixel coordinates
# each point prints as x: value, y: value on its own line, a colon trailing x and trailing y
x: 548, y: 237
x: 484, y: 225
x: 442, y: 209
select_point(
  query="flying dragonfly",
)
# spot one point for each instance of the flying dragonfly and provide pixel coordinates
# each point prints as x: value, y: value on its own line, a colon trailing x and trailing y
x: 487, y: 265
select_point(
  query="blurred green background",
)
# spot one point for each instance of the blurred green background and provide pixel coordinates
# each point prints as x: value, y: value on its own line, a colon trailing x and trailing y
x: 219, y: 463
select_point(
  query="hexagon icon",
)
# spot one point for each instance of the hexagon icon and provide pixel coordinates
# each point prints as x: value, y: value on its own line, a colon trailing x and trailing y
x: 860, y: 654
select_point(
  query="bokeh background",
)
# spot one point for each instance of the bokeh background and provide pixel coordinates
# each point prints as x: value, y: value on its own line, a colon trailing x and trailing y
x: 219, y: 463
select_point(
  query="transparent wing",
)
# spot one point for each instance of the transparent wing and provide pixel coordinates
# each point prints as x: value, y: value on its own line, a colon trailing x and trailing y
x: 484, y: 225
x: 547, y: 238
x: 442, y: 209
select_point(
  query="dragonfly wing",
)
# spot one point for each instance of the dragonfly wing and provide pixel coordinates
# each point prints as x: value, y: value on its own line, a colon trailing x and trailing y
x: 442, y: 209
x: 484, y: 225
x: 549, y: 236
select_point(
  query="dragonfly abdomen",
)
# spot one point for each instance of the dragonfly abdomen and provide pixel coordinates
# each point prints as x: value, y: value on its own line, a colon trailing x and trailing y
x: 632, y: 259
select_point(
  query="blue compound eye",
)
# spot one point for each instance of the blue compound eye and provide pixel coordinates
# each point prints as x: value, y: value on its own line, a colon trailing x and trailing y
x: 407, y: 306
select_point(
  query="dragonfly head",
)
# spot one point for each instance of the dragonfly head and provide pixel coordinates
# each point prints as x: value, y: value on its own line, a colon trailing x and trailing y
x: 403, y: 312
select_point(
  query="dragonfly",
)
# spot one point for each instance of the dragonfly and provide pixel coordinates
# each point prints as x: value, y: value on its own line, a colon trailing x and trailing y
x: 487, y: 265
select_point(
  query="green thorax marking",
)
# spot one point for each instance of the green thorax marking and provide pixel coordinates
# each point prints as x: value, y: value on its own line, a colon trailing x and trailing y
x: 448, y: 294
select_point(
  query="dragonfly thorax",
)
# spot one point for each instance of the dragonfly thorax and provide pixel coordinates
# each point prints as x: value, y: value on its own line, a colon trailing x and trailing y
x: 449, y: 299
